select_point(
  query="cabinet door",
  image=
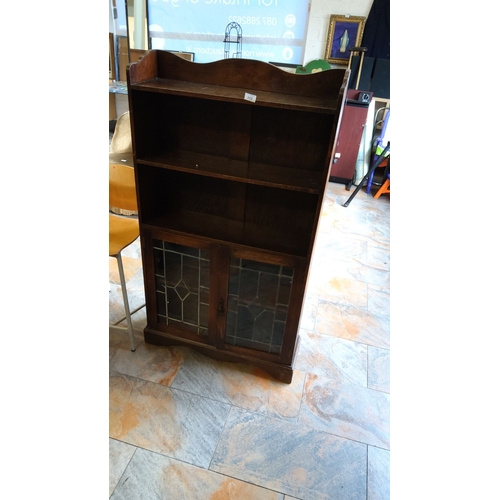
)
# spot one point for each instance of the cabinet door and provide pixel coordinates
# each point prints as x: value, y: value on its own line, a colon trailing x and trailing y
x: 181, y: 288
x: 258, y: 302
x: 242, y: 301
x: 348, y: 142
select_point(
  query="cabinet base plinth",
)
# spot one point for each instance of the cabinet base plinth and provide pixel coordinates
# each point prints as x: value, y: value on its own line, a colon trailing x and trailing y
x: 283, y: 373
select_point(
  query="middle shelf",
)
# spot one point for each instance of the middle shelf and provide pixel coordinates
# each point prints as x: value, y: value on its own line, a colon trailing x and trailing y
x: 276, y: 176
x: 231, y: 212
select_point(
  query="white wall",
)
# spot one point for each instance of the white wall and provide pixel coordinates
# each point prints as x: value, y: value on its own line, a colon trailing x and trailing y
x: 319, y: 19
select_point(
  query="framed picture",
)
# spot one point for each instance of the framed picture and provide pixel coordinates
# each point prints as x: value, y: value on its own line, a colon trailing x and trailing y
x: 344, y: 32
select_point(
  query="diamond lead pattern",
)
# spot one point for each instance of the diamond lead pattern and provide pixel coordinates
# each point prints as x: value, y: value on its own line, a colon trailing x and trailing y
x: 182, y: 285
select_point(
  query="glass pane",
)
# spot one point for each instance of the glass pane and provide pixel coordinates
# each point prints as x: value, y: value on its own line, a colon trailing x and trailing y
x: 182, y: 278
x: 173, y: 265
x: 259, y: 296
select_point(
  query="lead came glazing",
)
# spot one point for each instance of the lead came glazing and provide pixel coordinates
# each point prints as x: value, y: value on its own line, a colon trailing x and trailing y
x: 259, y: 296
x: 182, y: 277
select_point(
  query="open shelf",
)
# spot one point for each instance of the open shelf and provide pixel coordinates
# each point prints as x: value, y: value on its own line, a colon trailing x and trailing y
x: 227, y: 211
x: 237, y: 95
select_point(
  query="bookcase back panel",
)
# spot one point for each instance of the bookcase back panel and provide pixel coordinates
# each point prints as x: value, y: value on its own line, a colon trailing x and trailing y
x: 172, y: 198
x: 290, y: 138
x: 284, y: 217
x: 177, y: 123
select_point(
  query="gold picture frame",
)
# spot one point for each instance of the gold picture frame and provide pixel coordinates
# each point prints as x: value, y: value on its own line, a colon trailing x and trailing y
x: 344, y: 32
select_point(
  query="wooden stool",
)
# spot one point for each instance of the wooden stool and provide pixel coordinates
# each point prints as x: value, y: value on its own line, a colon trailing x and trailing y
x: 384, y: 188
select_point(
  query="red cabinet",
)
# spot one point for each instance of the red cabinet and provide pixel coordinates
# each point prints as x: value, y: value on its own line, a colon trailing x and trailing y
x: 349, y: 138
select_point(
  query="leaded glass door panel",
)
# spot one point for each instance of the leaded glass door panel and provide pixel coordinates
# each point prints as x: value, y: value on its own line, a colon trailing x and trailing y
x: 182, y: 286
x: 258, y: 301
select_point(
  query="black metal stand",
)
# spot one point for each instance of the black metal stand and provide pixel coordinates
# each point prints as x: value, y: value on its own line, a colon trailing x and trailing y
x: 380, y: 159
x: 228, y: 41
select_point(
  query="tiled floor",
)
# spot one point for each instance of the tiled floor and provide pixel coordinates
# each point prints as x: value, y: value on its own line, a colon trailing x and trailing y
x: 183, y: 426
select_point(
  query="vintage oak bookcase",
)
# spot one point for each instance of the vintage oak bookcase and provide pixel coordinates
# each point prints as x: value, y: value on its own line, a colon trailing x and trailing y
x: 231, y: 162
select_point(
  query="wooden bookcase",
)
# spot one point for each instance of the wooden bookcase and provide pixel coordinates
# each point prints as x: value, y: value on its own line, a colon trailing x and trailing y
x: 231, y: 160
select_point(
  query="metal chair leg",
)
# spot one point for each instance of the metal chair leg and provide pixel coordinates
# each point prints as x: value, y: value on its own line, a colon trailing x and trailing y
x: 125, y: 301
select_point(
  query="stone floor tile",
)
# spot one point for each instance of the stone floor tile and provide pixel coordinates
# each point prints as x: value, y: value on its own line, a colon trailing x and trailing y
x: 379, y: 300
x: 119, y: 339
x: 241, y: 385
x: 148, y: 362
x: 369, y: 272
x: 361, y: 225
x: 329, y: 249
x: 331, y: 287
x: 379, y: 369
x: 378, y: 256
x: 378, y: 474
x: 136, y: 299
x: 352, y: 323
x: 174, y: 423
x: 332, y: 357
x: 135, y: 285
x: 120, y: 455
x: 296, y: 460
x: 116, y: 341
x: 346, y: 410
x: 156, y: 477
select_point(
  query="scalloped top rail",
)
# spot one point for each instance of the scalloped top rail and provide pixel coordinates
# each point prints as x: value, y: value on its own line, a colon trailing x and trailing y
x: 238, y: 73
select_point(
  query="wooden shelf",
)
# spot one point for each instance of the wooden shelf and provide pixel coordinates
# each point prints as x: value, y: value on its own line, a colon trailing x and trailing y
x: 302, y: 180
x: 236, y: 94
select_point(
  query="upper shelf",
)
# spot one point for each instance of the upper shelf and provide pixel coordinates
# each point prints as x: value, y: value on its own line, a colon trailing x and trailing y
x: 237, y: 94
x: 267, y: 85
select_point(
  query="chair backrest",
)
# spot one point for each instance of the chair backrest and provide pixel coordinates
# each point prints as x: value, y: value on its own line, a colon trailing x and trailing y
x: 122, y: 192
x: 121, y: 142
